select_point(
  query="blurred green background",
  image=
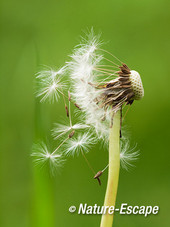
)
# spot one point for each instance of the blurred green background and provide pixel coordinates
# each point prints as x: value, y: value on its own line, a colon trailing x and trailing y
x: 36, y: 33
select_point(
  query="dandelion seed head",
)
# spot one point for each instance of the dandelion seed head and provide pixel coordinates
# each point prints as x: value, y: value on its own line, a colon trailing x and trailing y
x: 101, y: 89
x: 137, y: 85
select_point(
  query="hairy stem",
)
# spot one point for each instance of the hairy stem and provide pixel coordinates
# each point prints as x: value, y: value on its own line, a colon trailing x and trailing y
x: 114, y: 166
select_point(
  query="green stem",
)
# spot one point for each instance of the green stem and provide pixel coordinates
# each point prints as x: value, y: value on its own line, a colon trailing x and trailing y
x: 114, y: 166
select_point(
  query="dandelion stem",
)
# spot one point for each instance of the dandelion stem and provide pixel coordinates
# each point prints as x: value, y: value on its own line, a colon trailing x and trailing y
x: 114, y: 166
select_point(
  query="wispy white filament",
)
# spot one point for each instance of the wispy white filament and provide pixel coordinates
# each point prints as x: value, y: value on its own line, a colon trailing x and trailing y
x: 42, y: 157
x: 80, y: 144
x: 84, y: 73
x: 61, y: 129
x: 128, y: 155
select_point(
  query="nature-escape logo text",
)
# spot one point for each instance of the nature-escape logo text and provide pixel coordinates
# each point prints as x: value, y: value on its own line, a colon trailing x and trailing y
x: 124, y: 209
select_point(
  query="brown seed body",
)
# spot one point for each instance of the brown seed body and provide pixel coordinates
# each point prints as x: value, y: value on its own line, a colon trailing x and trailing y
x: 126, y: 88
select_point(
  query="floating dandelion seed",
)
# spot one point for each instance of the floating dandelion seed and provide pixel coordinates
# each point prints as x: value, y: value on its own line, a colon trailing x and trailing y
x: 43, y: 158
x: 50, y: 84
x: 128, y: 155
x: 80, y: 144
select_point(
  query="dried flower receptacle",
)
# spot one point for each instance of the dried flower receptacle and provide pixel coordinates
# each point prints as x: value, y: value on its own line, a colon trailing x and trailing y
x: 126, y: 88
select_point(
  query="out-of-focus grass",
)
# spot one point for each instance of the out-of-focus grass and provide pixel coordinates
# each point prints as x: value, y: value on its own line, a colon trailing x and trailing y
x: 43, y: 192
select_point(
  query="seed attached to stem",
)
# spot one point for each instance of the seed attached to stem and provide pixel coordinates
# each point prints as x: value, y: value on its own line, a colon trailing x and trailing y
x: 71, y: 134
x: 97, y: 176
x: 76, y: 105
x: 67, y: 112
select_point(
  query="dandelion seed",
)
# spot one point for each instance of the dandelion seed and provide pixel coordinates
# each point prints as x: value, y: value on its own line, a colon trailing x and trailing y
x: 60, y: 129
x: 78, y: 145
x: 50, y: 84
x: 43, y: 158
x: 128, y: 155
x: 50, y: 73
